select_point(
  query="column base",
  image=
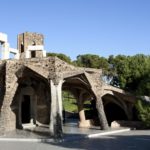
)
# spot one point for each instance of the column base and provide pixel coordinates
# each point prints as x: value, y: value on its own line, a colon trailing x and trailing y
x: 85, y: 124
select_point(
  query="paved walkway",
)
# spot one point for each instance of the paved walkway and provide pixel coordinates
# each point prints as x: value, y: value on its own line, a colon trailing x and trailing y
x: 70, y: 129
x: 132, y: 140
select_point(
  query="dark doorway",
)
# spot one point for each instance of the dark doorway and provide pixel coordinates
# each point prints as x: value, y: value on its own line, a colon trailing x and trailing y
x: 33, y: 54
x: 22, y: 48
x: 25, y: 107
x: 114, y: 112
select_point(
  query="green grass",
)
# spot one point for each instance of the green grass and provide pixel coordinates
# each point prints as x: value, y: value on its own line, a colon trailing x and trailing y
x: 70, y: 103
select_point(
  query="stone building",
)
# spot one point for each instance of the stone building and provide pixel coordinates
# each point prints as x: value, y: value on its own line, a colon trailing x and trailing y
x: 31, y: 88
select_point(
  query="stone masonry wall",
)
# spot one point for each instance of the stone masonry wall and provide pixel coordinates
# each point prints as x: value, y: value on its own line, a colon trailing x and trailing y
x: 7, y: 116
x: 49, y: 69
x: 27, y: 39
x: 2, y: 82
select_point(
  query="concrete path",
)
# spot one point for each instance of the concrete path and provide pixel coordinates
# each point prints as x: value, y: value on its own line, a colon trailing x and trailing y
x: 131, y: 140
x: 71, y: 132
x: 77, y: 139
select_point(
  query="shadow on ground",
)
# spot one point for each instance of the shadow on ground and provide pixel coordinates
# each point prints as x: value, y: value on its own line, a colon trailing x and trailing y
x: 75, y: 139
x: 133, y: 140
x: 37, y: 133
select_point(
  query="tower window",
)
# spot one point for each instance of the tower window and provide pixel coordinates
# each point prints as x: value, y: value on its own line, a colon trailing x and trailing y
x: 22, y: 48
x: 33, y: 43
x: 33, y: 54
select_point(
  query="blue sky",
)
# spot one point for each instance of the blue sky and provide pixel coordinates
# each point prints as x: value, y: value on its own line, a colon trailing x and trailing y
x: 73, y: 27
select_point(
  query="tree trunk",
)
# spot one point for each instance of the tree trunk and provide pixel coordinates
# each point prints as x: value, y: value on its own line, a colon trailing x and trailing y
x: 101, y: 114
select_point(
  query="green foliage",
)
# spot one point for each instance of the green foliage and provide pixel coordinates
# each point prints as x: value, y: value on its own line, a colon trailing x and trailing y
x: 61, y: 56
x: 144, y: 86
x: 69, y: 102
x: 92, y: 61
x: 132, y: 71
x: 143, y: 112
x: 120, y: 65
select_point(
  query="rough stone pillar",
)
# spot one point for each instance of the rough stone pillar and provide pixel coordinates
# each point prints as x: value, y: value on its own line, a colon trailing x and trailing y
x: 82, y: 114
x: 82, y: 122
x: 101, y: 113
x: 7, y: 116
x: 56, y: 109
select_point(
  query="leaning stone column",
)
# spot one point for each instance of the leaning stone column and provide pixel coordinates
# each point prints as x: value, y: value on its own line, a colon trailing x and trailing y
x: 81, y: 113
x: 56, y: 109
x: 97, y: 88
x: 82, y: 122
x: 101, y: 113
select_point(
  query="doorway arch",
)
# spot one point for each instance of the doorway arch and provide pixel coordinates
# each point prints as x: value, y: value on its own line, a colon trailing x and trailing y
x: 114, y: 112
x: 80, y: 88
x: 114, y: 108
x: 31, y: 103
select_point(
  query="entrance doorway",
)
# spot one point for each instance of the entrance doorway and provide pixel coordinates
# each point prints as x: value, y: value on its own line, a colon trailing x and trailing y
x: 114, y: 112
x: 26, y: 109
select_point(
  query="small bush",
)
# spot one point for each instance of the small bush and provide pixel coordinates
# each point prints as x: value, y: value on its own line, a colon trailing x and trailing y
x: 143, y: 109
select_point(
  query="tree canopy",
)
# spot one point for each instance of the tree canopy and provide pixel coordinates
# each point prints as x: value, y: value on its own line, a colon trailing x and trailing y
x: 132, y: 71
x: 61, y: 56
x: 127, y: 72
x: 91, y: 61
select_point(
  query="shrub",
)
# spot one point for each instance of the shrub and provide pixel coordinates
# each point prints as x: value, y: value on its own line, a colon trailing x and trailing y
x: 143, y: 110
